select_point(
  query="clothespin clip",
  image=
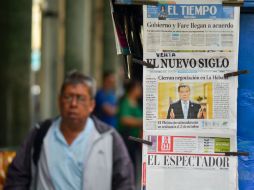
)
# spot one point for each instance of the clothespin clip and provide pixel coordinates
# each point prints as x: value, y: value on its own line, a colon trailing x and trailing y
x: 126, y: 67
x: 235, y: 153
x: 233, y: 2
x: 148, y: 65
x: 50, y: 14
x: 140, y: 140
x: 236, y: 73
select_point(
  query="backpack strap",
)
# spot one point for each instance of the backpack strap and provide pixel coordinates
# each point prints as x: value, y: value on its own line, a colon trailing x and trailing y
x: 38, y: 140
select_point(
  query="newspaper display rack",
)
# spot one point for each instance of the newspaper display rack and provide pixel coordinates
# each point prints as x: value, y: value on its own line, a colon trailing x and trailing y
x: 190, y: 52
x: 190, y: 108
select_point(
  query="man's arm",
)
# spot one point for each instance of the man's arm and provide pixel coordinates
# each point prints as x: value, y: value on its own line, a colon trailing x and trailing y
x: 127, y: 118
x: 171, y: 113
x: 168, y: 116
x: 123, y: 173
x: 109, y: 109
x: 199, y: 112
x: 19, y: 171
x: 195, y: 112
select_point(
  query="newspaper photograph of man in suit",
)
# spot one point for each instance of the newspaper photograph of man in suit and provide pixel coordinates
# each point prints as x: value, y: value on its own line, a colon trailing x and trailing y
x: 184, y: 108
x: 185, y: 100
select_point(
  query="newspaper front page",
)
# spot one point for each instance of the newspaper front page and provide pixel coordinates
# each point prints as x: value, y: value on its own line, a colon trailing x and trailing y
x: 190, y: 108
x: 182, y: 161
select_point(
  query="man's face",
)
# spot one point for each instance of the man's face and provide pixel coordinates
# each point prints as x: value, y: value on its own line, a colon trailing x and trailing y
x: 162, y: 9
x: 138, y: 90
x: 75, y: 104
x: 184, y: 93
x: 110, y: 82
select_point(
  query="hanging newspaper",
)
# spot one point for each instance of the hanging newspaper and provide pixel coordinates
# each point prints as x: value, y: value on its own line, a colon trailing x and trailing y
x: 191, y: 161
x: 210, y: 98
x: 197, y: 26
x: 189, y: 106
x: 190, y: 45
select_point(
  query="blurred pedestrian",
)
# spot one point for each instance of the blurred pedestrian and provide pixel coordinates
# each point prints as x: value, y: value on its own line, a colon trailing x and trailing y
x: 130, y: 120
x: 73, y: 151
x: 106, y: 100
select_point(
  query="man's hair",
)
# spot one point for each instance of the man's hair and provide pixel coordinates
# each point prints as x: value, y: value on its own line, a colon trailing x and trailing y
x: 163, y: 6
x: 129, y: 85
x: 106, y: 74
x: 74, y: 77
x: 183, y: 86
